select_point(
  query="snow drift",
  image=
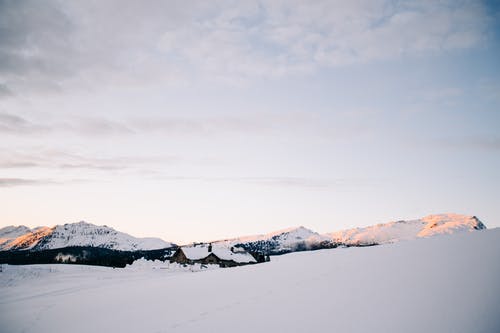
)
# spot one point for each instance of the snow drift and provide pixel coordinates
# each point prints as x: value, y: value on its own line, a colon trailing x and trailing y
x: 439, y: 284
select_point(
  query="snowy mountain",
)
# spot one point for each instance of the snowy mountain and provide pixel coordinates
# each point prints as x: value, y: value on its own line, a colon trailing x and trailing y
x: 278, y: 242
x: 391, y: 232
x: 74, y: 234
x: 282, y: 241
x: 302, y: 239
x: 12, y: 232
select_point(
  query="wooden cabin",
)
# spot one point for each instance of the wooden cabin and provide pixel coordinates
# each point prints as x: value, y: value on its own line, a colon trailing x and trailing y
x: 215, y: 255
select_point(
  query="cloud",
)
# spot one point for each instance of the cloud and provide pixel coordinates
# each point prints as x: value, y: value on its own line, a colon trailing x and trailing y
x: 11, y: 182
x: 287, y: 37
x: 90, y: 127
x: 53, y: 45
x: 12, y: 164
x: 201, y: 126
x: 4, y: 91
x: 94, y: 127
x: 287, y: 182
x: 292, y: 182
x: 14, y: 124
x: 35, y: 45
x: 55, y: 159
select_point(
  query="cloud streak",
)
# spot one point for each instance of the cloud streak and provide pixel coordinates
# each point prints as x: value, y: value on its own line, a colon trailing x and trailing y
x: 55, y: 159
x: 12, y: 182
x: 285, y: 182
x: 14, y: 124
x: 98, y: 127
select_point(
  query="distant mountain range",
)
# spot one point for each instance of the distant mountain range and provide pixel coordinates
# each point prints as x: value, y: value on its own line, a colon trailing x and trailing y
x: 74, y: 234
x: 82, y: 234
x: 391, y: 232
x: 302, y: 239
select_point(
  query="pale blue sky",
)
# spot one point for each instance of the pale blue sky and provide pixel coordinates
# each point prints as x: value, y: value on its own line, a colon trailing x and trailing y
x: 195, y: 121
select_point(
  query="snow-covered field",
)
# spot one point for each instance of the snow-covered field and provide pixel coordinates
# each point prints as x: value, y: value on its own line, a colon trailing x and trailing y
x: 448, y: 283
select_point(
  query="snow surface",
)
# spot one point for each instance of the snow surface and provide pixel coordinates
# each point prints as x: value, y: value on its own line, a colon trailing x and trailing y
x: 447, y: 283
x: 74, y: 234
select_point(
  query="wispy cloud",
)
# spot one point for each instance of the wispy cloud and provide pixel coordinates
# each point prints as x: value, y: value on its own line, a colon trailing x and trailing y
x: 291, y: 182
x: 11, y: 182
x: 93, y: 127
x: 201, y: 126
x: 21, y: 125
x: 14, y: 124
x: 63, y: 160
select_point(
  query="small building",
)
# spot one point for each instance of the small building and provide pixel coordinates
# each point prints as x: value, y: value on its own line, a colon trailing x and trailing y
x: 208, y: 254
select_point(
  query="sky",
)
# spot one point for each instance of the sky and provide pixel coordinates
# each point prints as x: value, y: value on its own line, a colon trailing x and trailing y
x: 196, y: 120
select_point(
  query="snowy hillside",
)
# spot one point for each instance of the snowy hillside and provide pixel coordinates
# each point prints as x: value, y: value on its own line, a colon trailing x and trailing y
x: 74, y: 234
x: 10, y: 233
x: 428, y: 226
x: 278, y: 242
x: 300, y: 239
x: 440, y: 284
x: 282, y: 241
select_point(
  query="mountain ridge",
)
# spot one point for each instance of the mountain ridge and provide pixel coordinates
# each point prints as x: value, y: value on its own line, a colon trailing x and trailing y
x: 428, y: 226
x: 302, y: 239
x: 75, y: 234
x: 278, y: 242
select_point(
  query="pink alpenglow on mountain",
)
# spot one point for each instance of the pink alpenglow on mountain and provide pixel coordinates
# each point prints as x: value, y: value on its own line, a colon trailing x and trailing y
x: 391, y: 232
x: 74, y: 234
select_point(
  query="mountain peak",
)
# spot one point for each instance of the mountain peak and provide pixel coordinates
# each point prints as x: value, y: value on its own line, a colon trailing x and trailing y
x: 301, y: 238
x: 11, y: 232
x: 82, y: 222
x: 427, y: 226
x: 290, y: 239
x: 449, y: 223
x: 280, y: 241
x: 77, y: 234
x: 291, y: 230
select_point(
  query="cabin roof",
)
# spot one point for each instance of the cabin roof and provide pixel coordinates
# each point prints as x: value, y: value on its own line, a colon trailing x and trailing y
x: 201, y: 251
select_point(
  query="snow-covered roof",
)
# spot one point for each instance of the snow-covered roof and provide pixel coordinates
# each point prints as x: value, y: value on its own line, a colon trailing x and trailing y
x: 195, y: 252
x: 224, y: 253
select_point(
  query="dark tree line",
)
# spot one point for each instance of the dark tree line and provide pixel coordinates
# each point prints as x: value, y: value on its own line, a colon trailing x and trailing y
x: 83, y: 255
